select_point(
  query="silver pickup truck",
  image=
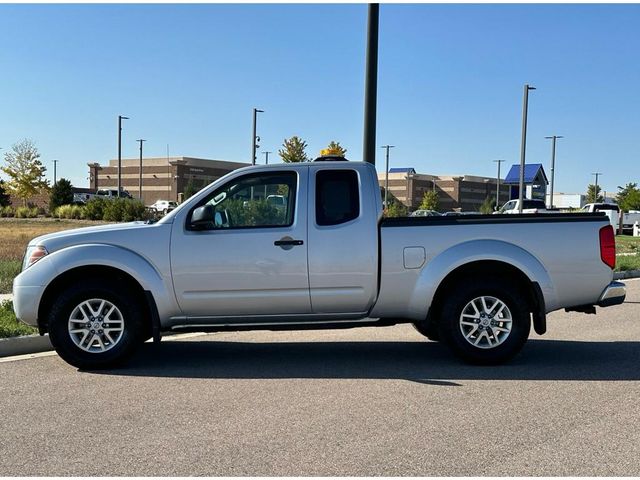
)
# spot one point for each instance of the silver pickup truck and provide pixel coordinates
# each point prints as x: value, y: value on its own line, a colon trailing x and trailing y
x: 228, y: 259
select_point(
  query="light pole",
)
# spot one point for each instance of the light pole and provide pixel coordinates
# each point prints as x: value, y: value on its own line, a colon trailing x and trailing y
x: 140, y: 140
x: 386, y: 173
x: 553, y: 164
x: 266, y: 157
x: 595, y: 190
x: 523, y: 144
x: 409, y: 191
x: 255, y: 139
x: 54, y: 171
x: 120, y: 118
x: 371, y: 85
x: 498, y: 183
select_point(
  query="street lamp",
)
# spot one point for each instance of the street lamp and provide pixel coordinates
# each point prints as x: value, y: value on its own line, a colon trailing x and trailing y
x: 371, y: 85
x: 255, y: 139
x: 523, y: 144
x: 266, y: 156
x: 498, y: 183
x: 120, y: 118
x: 595, y: 190
x: 386, y: 174
x: 54, y: 171
x: 553, y: 164
x: 140, y: 140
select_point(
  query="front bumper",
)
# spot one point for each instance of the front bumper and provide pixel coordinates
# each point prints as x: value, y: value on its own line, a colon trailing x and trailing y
x: 25, y: 303
x: 614, y: 294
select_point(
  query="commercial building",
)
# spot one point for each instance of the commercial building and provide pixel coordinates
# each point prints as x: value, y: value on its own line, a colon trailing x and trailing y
x: 455, y: 192
x: 164, y: 178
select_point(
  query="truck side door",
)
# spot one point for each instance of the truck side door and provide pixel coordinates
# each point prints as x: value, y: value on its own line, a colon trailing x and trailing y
x: 343, y: 239
x: 251, y: 259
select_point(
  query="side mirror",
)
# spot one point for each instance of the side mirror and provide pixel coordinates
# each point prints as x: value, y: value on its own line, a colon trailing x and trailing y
x: 202, y: 217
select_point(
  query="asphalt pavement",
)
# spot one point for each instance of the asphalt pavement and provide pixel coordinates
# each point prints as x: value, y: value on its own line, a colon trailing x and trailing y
x: 372, y: 401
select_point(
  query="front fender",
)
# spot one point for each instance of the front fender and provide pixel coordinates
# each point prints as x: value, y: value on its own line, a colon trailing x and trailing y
x: 438, y: 268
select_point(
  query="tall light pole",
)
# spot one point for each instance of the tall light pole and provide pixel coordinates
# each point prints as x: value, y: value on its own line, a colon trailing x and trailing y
x: 140, y: 140
x: 523, y: 144
x: 386, y: 174
x: 266, y: 157
x: 371, y: 85
x: 55, y: 178
x: 255, y: 138
x: 595, y: 194
x: 120, y: 118
x: 498, y: 183
x: 553, y: 164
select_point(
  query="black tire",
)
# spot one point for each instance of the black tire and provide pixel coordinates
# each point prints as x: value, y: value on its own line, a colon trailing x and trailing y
x: 499, y: 347
x: 164, y: 212
x: 128, y: 308
x: 429, y: 330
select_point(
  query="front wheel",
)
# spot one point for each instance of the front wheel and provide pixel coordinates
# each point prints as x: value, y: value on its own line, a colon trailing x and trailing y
x: 94, y: 325
x: 485, y: 322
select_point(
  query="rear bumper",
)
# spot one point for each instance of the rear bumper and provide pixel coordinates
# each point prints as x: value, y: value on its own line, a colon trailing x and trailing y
x: 614, y: 294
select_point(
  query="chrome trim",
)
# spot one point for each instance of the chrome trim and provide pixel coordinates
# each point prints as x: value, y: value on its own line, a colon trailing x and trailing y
x: 613, y: 290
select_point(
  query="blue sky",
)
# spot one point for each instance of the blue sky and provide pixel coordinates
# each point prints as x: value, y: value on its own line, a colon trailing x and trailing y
x: 449, y: 89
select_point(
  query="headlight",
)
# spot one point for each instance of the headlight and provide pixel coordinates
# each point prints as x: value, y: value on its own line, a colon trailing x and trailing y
x: 33, y: 254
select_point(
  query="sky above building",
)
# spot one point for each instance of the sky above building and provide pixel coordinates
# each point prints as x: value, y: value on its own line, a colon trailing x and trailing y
x: 449, y: 87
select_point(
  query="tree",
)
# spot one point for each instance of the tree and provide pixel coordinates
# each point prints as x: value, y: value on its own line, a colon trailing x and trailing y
x: 628, y: 197
x: 488, y: 206
x: 334, y: 148
x: 25, y: 170
x: 189, y: 190
x: 429, y: 201
x: 594, y: 196
x: 61, y: 194
x: 396, y: 209
x: 4, y: 196
x: 293, y: 150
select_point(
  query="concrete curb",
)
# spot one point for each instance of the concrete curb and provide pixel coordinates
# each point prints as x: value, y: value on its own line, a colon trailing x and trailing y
x: 627, y: 274
x: 24, y: 345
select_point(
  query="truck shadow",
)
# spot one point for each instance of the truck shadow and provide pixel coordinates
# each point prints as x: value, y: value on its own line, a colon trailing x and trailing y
x: 419, y: 361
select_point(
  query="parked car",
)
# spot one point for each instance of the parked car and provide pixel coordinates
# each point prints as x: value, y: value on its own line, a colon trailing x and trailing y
x: 163, y: 206
x: 528, y: 206
x: 425, y: 213
x: 328, y: 260
x: 613, y: 212
x: 102, y: 193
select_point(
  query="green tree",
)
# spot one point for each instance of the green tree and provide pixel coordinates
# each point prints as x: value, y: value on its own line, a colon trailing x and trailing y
x: 293, y: 150
x: 488, y: 206
x: 4, y: 196
x: 25, y: 170
x: 61, y: 194
x: 396, y: 209
x: 594, y: 196
x: 628, y: 197
x: 334, y: 148
x: 190, y: 190
x: 429, y: 201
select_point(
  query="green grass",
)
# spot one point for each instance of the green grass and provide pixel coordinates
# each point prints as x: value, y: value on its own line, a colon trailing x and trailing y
x: 627, y: 244
x: 9, y: 326
x: 627, y: 262
x: 9, y: 269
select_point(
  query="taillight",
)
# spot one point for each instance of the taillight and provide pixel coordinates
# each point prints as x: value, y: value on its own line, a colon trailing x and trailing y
x: 608, y: 246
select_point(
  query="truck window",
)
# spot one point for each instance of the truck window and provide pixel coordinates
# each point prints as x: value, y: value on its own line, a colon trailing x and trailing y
x: 245, y: 203
x: 337, y: 197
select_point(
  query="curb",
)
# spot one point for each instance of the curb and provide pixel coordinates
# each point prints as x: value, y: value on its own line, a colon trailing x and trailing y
x: 24, y: 345
x: 627, y: 274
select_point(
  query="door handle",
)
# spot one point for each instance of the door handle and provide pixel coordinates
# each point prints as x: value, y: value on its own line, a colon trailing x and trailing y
x: 286, y: 242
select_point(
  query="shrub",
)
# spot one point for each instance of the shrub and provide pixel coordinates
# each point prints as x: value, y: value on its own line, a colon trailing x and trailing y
x: 124, y: 210
x: 61, y: 194
x: 7, y: 211
x: 94, y: 209
x: 114, y: 210
x: 64, y: 211
x: 22, y: 212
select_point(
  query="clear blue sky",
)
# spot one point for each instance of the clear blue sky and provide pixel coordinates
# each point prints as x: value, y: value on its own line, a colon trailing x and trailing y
x: 449, y: 91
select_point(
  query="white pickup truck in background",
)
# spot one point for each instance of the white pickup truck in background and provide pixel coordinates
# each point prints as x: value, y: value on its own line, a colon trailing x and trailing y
x: 613, y: 212
x: 321, y: 257
x: 528, y: 206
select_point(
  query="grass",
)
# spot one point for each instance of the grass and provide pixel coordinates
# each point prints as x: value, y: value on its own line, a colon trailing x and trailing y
x: 628, y: 262
x: 9, y: 326
x: 16, y: 234
x: 627, y: 244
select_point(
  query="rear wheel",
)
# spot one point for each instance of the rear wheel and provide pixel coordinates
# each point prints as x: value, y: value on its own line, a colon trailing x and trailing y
x: 94, y: 325
x: 485, y: 322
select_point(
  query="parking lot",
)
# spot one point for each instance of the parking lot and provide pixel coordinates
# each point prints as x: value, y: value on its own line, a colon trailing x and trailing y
x: 353, y: 402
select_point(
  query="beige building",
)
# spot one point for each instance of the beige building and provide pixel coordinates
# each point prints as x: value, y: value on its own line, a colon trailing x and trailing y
x: 163, y: 178
x: 455, y: 192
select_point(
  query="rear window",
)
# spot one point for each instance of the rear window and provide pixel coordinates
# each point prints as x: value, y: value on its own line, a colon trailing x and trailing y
x: 606, y: 206
x: 527, y: 204
x: 337, y: 198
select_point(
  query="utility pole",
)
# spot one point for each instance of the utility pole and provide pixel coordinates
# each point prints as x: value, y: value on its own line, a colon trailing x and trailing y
x: 595, y: 193
x: 371, y: 85
x: 553, y: 164
x: 54, y: 171
x: 120, y: 118
x: 386, y: 174
x: 255, y: 139
x: 498, y: 183
x: 266, y: 155
x: 523, y: 143
x: 140, y: 140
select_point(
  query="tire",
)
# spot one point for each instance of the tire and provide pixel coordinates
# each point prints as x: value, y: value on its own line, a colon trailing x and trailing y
x: 164, y: 212
x: 88, y: 333
x: 489, y: 333
x: 428, y: 330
